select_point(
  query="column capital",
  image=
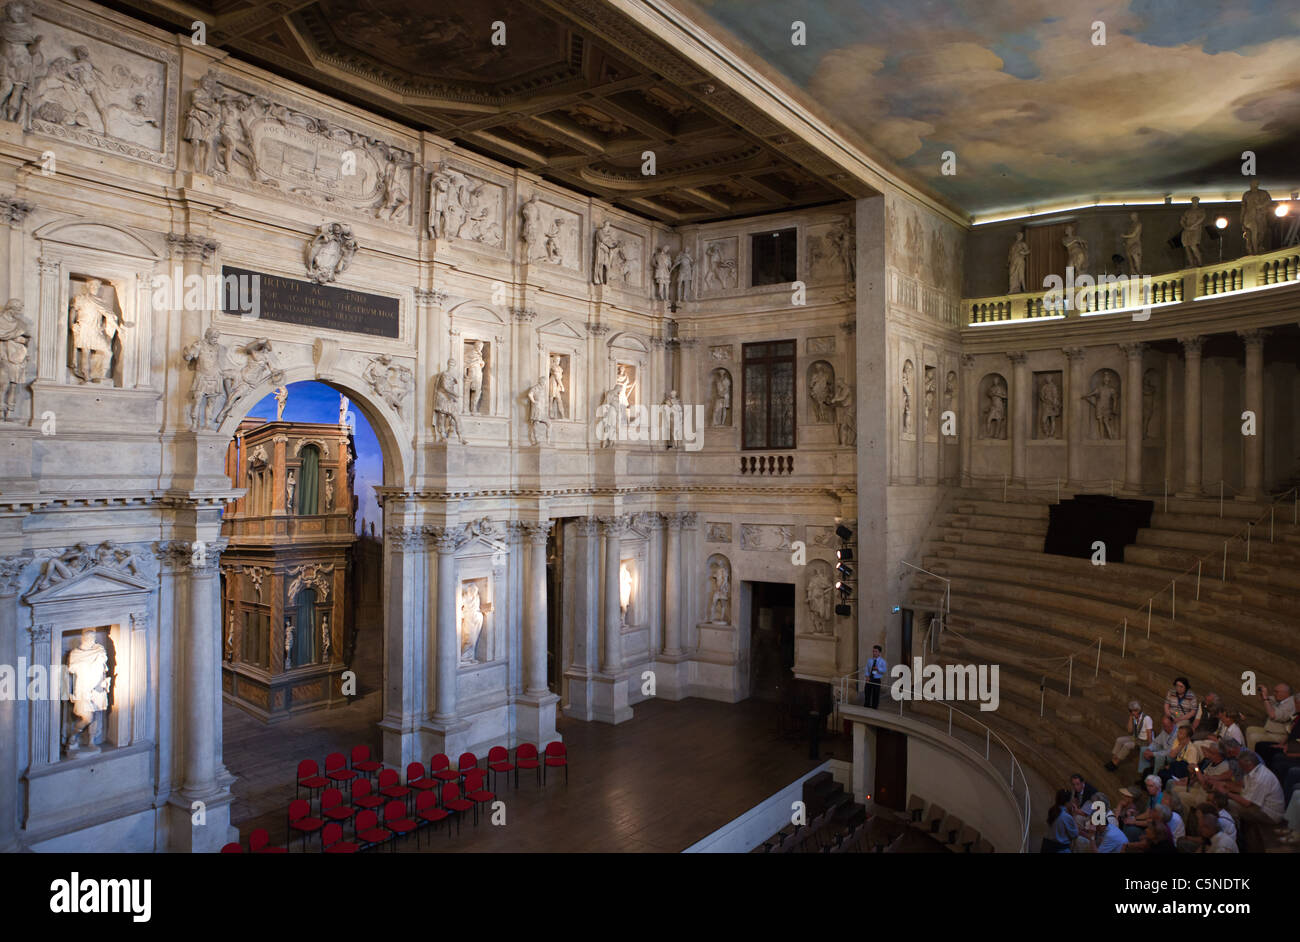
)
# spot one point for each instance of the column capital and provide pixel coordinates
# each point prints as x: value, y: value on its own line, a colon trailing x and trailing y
x: 967, y: 361
x: 446, y: 540
x: 200, y: 557
x: 586, y: 526
x: 1074, y: 353
x: 11, y: 569
x: 48, y: 266
x: 1133, y: 350
x: 40, y: 633
x: 434, y: 298
x: 534, y: 531
x: 405, y: 538
x: 672, y: 520
x: 524, y: 315
x: 1253, y: 336
x: 614, y: 526
x: 190, y: 246
x: 1192, y: 344
x: 1017, y: 357
x: 14, y: 211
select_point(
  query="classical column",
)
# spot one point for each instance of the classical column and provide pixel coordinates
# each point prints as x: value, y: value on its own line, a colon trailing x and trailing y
x: 11, y: 568
x: 1191, y: 416
x: 446, y: 642
x: 1132, y: 396
x: 611, y: 661
x: 535, y: 609
x: 1021, y: 407
x: 42, y: 742
x: 969, y: 413
x: 672, y: 584
x: 200, y: 669
x: 1254, y: 398
x: 1072, y: 415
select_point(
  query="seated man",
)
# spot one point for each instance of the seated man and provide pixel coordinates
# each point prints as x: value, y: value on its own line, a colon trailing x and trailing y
x: 1174, y: 821
x: 1280, y: 708
x: 1285, y: 755
x: 1206, y: 723
x: 1230, y: 727
x: 1156, y: 757
x: 1180, y: 702
x: 1258, y: 800
x: 1110, y: 839
x: 1155, y: 840
x: 1215, y: 840
x: 1213, y: 767
x: 1183, y: 756
x: 1155, y: 797
x: 1137, y: 737
x: 1080, y: 792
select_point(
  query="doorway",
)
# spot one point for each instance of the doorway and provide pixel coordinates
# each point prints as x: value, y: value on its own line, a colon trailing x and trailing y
x: 891, y: 769
x: 771, y: 640
x: 555, y: 606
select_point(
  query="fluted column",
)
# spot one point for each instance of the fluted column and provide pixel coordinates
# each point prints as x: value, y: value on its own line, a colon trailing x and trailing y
x: 1022, y: 404
x: 535, y: 609
x: 1132, y: 397
x: 1191, y: 416
x: 447, y: 647
x: 970, y: 411
x: 672, y: 584
x: 1254, y: 398
x: 10, y: 571
x: 611, y: 661
x: 1072, y: 413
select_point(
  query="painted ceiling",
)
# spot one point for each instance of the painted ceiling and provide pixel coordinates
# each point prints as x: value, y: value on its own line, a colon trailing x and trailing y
x: 1033, y: 110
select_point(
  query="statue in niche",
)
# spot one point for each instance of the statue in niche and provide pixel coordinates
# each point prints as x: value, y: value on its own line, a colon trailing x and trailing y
x: 684, y: 265
x: 88, y: 668
x: 1256, y: 207
x: 1104, y: 400
x: 673, y: 412
x: 626, y: 386
x: 230, y: 635
x: 531, y: 229
x: 1049, y: 407
x: 19, y: 59
x: 821, y: 388
x: 608, y: 415
x: 395, y: 196
x: 844, y: 244
x: 201, y: 121
x: 471, y: 622
x: 663, y: 272
x: 931, y: 393
x: 281, y: 398
x: 1150, y: 387
x: 846, y: 412
x: 1076, y: 250
x: 329, y: 490
x: 995, y: 418
x: 554, y: 253
x: 288, y: 644
x: 1193, y: 224
x: 624, y: 592
x: 325, y: 638
x: 907, y: 396
x: 720, y: 600
x: 556, y: 377
x: 537, y: 409
x: 94, y: 327
x: 1133, y: 244
x: 290, y: 485
x: 606, y: 243
x: 15, y: 335
x: 446, y: 397
x: 949, y: 389
x: 821, y: 601
x: 721, y: 398
x: 474, y: 362
x: 1017, y: 260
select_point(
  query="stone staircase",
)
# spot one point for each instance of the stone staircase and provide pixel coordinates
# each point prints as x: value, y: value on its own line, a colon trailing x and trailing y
x: 1027, y: 611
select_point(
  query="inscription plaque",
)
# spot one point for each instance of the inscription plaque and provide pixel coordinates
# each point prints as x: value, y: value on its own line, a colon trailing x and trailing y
x: 302, y: 302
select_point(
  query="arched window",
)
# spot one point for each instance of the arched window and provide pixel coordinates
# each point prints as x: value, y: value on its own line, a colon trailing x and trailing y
x: 309, y: 480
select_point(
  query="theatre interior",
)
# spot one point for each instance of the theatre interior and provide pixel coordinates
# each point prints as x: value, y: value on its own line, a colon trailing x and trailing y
x: 614, y: 425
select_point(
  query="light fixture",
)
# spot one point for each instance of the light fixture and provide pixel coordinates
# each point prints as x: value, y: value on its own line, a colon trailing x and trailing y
x: 842, y: 609
x: 1221, y: 222
x: 843, y: 532
x: 844, y: 553
x: 1282, y: 209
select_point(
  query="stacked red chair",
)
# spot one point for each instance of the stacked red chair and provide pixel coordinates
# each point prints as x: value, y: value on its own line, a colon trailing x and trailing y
x: 556, y: 757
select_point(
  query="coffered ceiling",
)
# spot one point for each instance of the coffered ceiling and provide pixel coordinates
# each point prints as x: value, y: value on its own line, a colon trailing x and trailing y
x: 578, y: 93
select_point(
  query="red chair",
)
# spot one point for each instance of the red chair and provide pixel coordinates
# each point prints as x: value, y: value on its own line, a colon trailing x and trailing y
x: 259, y: 843
x: 362, y: 762
x: 331, y: 839
x: 476, y: 792
x: 452, y: 801
x: 526, y: 758
x: 415, y: 779
x: 363, y: 798
x: 309, y: 777
x: 397, y: 821
x: 556, y: 755
x: 467, y: 763
x: 499, y: 761
x: 369, y: 833
x: 427, y: 810
x: 388, y: 786
x: 336, y: 768
x: 300, y: 820
x: 234, y: 847
x: 440, y: 768
x: 332, y: 807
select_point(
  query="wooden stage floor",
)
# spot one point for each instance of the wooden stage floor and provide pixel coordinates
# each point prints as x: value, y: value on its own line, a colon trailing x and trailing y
x: 658, y: 783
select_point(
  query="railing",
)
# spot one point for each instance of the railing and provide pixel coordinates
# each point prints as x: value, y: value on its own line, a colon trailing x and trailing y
x: 1015, y: 771
x: 931, y: 640
x: 767, y: 464
x: 1117, y: 293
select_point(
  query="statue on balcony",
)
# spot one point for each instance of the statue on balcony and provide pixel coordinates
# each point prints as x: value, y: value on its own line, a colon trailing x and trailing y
x: 1193, y: 223
x: 1256, y: 207
x: 1133, y: 245
x: 1076, y: 248
x: 1017, y: 259
x: 1105, y: 407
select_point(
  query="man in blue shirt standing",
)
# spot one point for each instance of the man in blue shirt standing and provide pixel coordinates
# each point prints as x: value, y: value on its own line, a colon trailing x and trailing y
x: 876, y: 668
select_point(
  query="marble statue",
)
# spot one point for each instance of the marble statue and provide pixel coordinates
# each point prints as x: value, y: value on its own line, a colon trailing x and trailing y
x: 88, y: 669
x: 1133, y: 244
x: 343, y: 409
x: 1105, y: 407
x: 230, y: 636
x: 537, y: 412
x: 821, y: 601
x: 15, y: 335
x: 395, y: 197
x: 325, y: 638
x: 1049, y: 407
x: 1150, y: 387
x: 624, y: 592
x: 201, y: 121
x: 281, y: 398
x: 474, y: 375
x: 931, y: 393
x: 556, y: 404
x: 1076, y: 249
x: 611, y: 409
x: 233, y: 144
x: 330, y: 253
x: 19, y: 58
x: 329, y: 490
x: 210, y: 390
x: 471, y: 622
x: 949, y: 389
x: 1256, y: 208
x: 391, y: 381
x: 721, y: 398
x: 94, y: 325
x: 606, y: 242
x: 446, y: 399
x: 290, y: 486
x: 821, y: 387
x: 846, y: 414
x: 662, y: 265
x: 1017, y: 259
x: 845, y: 246
x: 673, y: 411
x: 1193, y: 224
x: 288, y: 644
x: 718, y: 270
x: 554, y: 251
x: 907, y: 396
x: 684, y: 265
x: 626, y: 386
x: 720, y: 600
x: 530, y: 230
x: 445, y: 213
x: 995, y: 419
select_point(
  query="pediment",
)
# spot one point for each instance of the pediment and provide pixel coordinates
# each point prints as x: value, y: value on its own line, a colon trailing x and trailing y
x: 104, y: 237
x: 97, y: 582
x: 626, y: 341
x: 476, y: 310
x: 560, y: 328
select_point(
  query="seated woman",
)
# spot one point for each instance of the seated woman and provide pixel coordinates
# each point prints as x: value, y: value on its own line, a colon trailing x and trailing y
x: 1061, y: 827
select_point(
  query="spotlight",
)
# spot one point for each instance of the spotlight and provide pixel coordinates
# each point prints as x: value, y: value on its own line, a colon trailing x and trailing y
x: 1282, y: 209
x: 1221, y: 222
x: 841, y: 609
x: 844, y: 571
x: 845, y: 591
x: 843, y: 532
x: 844, y: 553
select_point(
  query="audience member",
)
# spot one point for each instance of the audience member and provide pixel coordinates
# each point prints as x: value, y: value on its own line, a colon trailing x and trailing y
x: 1183, y: 756
x: 1080, y: 792
x: 1180, y: 702
x: 1259, y: 800
x: 1061, y: 827
x: 1137, y: 737
x: 1156, y: 757
x: 1110, y: 838
x: 1280, y: 708
x: 1206, y: 723
x: 1283, y: 756
x: 1216, y: 841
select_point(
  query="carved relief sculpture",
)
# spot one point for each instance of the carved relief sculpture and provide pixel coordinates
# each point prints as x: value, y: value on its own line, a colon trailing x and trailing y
x: 539, y: 426
x: 19, y: 58
x: 88, y: 667
x: 554, y: 244
x: 15, y: 335
x: 330, y: 252
x: 1076, y: 249
x: 846, y: 414
x: 1104, y: 400
x: 662, y: 264
x: 1017, y: 259
x: 474, y: 363
x: 530, y: 231
x: 1256, y: 207
x: 288, y: 645
x: 684, y: 265
x: 201, y: 122
x: 1133, y: 244
x: 721, y: 394
x: 471, y: 622
x: 234, y: 145
x: 720, y: 598
x: 391, y: 381
x: 906, y: 388
x: 820, y: 596
x: 949, y: 390
x: 446, y: 400
x: 719, y: 271
x: 230, y: 635
x: 606, y: 242
x: 94, y: 326
x: 557, y: 405
x: 821, y: 389
x: 325, y: 639
x: 394, y: 197
x: 1193, y: 224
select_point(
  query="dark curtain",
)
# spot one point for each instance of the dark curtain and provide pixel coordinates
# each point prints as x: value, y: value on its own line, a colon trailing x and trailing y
x: 304, y: 629
x: 308, y: 480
